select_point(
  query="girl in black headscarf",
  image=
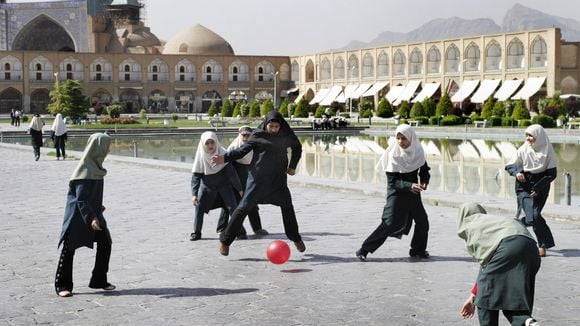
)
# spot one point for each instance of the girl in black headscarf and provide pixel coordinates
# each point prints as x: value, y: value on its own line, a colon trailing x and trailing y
x: 267, y: 181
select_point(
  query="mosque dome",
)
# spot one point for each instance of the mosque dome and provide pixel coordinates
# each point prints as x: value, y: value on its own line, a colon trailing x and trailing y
x: 198, y: 40
x: 142, y: 37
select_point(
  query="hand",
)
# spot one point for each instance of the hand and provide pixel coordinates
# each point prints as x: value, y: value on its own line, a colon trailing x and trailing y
x: 521, y: 177
x: 416, y: 188
x: 291, y: 171
x: 534, y: 193
x: 424, y: 186
x: 217, y: 160
x: 468, y: 309
x: 103, y: 208
x: 194, y: 200
x: 241, y: 193
x: 95, y: 225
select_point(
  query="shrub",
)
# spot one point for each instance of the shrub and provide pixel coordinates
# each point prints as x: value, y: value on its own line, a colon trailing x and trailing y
x: 24, y: 118
x: 508, y: 122
x: 403, y: 110
x: 302, y: 108
x: 417, y: 110
x: 175, y: 117
x: 365, y: 105
x: 525, y: 123
x: 122, y: 121
x: 494, y: 121
x: 488, y: 107
x: 319, y: 112
x: 422, y: 120
x: 451, y: 120
x: 114, y: 111
x: 212, y: 111
x: 254, y: 110
x: 266, y: 107
x: 366, y: 113
x: 284, y: 108
x: 429, y: 107
x: 520, y: 111
x: 434, y: 121
x: 499, y: 110
x: 143, y: 114
x: 544, y: 120
x: 444, y: 105
x: 237, y: 110
x: 384, y: 109
x: 227, y: 109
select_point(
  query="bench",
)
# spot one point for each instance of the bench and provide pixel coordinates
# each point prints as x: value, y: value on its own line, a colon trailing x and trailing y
x: 415, y: 123
x: 214, y: 123
x: 573, y: 124
x: 295, y: 122
x: 480, y: 124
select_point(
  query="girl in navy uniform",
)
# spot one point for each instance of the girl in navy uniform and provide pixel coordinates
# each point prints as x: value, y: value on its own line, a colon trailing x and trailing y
x: 267, y: 178
x: 212, y: 186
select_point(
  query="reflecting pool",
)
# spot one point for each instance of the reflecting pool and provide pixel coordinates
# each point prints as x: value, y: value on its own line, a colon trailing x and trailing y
x: 469, y: 166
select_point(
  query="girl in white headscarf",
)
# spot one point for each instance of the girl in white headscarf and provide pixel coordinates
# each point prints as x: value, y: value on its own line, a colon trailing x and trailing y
x: 212, y: 185
x: 59, y: 136
x: 35, y: 131
x: 534, y: 167
x: 407, y: 176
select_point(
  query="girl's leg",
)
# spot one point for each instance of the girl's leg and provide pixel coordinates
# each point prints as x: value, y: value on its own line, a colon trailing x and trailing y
x: 63, y: 280
x: 488, y: 317
x: 197, y: 223
x: 290, y: 223
x: 517, y: 317
x: 255, y: 221
x: 223, y: 220
x: 543, y: 233
x: 99, y: 277
x: 420, y: 233
x: 234, y: 226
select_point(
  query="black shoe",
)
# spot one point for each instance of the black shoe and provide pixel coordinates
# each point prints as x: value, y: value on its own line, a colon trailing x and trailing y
x: 361, y: 254
x: 194, y: 237
x: 300, y: 246
x: 261, y: 232
x: 36, y: 157
x: 107, y: 287
x: 413, y: 253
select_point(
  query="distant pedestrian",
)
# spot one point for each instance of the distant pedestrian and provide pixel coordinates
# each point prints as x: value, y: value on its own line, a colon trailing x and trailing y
x: 267, y: 179
x: 509, y: 263
x: 35, y: 131
x: 17, y: 115
x: 534, y: 167
x: 212, y: 186
x: 84, y: 222
x: 12, y: 117
x: 407, y: 176
x: 242, y: 167
x: 59, y: 136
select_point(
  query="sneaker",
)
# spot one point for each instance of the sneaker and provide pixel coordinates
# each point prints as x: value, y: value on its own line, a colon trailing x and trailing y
x: 300, y: 246
x: 415, y: 254
x: 261, y: 232
x: 65, y: 294
x: 194, y: 237
x: 532, y: 322
x: 361, y: 254
x: 107, y: 287
x: 224, y: 249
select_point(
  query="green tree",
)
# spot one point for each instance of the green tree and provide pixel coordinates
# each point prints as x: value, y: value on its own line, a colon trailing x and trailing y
x: 254, y: 110
x: 302, y: 108
x: 520, y: 111
x: 67, y: 99
x: 237, y: 110
x: 212, y: 110
x: 266, y: 107
x: 444, y: 105
x: 403, y: 110
x: 114, y: 111
x: 227, y: 109
x: 284, y: 108
x: 499, y: 109
x: 384, y: 109
x: 487, y: 110
x: 417, y: 110
x: 428, y: 107
x: 365, y: 108
x: 319, y: 111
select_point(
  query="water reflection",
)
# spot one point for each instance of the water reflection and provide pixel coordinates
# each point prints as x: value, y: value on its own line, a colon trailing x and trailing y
x: 470, y: 166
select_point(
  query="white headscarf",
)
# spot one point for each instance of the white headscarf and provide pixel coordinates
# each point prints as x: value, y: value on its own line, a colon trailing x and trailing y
x: 537, y: 157
x: 58, y: 126
x: 36, y: 123
x: 202, y: 161
x: 246, y: 160
x: 397, y: 159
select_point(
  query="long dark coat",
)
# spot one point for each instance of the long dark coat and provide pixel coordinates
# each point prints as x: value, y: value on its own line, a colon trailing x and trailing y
x: 538, y: 182
x: 216, y: 190
x: 84, y: 202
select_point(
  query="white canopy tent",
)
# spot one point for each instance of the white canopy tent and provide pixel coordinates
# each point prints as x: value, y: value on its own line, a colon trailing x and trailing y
x: 394, y: 93
x: 507, y: 89
x: 466, y: 89
x: 487, y: 88
x: 377, y: 87
x: 320, y: 95
x: 331, y: 96
x: 298, y: 98
x: 349, y: 89
x: 360, y: 90
x: 531, y: 87
x: 408, y: 92
x: 427, y: 91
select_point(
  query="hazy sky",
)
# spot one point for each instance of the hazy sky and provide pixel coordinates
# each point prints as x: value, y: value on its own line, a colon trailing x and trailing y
x: 296, y: 27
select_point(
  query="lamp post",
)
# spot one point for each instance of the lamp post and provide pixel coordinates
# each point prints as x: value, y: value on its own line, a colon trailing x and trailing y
x: 275, y: 74
x: 350, y: 98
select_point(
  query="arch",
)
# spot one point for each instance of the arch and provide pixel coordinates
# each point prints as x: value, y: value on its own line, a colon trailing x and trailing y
x: 208, y: 98
x: 100, y: 99
x: 434, y: 60
x: 157, y: 70
x: 399, y: 63
x: 43, y: 34
x: 129, y: 70
x: 325, y: 69
x: 472, y: 57
x: 569, y: 85
x: 493, y: 56
x: 184, y: 101
x: 309, y: 71
x: 284, y: 72
x: 10, y: 98
x: 130, y: 99
x: 238, y: 71
x: 71, y: 68
x: 295, y: 75
x: 10, y: 68
x: 212, y: 72
x: 353, y: 67
x: 416, y: 62
x: 338, y: 68
x: 538, y: 53
x: 515, y: 54
x: 452, y: 58
x: 101, y: 70
x: 40, y: 69
x: 383, y: 64
x: 185, y: 71
x: 157, y: 101
x: 39, y: 100
x: 368, y: 66
x: 264, y: 71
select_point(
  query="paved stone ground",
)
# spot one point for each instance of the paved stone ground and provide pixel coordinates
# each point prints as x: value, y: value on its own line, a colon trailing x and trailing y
x: 164, y: 279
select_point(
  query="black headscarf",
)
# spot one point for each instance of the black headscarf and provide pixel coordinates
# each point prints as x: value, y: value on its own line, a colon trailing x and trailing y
x: 260, y: 134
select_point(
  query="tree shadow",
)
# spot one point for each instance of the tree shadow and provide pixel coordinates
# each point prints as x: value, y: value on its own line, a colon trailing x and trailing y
x: 179, y: 292
x: 567, y: 252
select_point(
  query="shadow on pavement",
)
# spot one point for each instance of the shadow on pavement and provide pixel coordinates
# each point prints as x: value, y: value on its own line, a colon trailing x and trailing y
x: 567, y: 252
x: 168, y: 293
x: 336, y: 259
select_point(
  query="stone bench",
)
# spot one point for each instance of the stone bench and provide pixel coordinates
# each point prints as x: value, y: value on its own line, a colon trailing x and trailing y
x: 480, y: 124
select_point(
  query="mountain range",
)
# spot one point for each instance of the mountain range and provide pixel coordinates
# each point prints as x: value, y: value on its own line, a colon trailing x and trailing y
x: 518, y: 18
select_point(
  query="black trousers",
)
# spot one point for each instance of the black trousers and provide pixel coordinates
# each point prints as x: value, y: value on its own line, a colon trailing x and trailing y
x: 491, y: 317
x: 253, y: 216
x: 59, y: 146
x: 64, y: 272
x: 235, y: 224
x: 543, y: 233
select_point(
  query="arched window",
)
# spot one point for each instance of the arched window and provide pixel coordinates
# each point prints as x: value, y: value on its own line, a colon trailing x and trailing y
x: 383, y: 64
x: 99, y: 68
x: 185, y: 71
x: 353, y: 67
x: 515, y: 52
x: 416, y: 62
x: 325, y: 69
x: 433, y: 60
x: 452, y: 57
x: 368, y: 66
x: 472, y: 57
x: 399, y: 63
x: 493, y: 56
x: 338, y: 68
x: 295, y: 71
x: 7, y: 66
x: 538, y: 53
x: 127, y: 68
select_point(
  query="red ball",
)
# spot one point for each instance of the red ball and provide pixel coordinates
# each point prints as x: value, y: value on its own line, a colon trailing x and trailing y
x: 278, y: 252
